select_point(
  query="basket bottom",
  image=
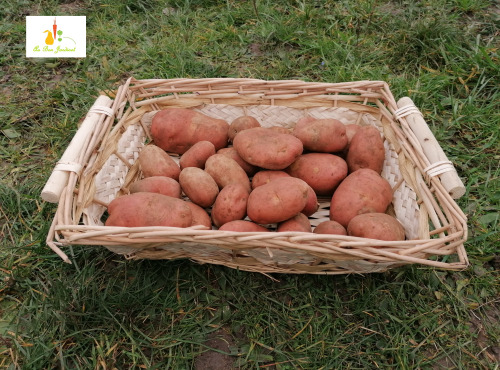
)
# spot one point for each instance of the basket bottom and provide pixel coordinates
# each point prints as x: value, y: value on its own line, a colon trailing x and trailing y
x: 256, y: 260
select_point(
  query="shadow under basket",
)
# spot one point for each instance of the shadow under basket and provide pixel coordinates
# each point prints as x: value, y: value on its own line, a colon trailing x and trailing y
x: 101, y: 162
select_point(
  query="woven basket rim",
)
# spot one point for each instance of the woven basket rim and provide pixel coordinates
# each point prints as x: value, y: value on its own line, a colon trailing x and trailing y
x: 129, y: 105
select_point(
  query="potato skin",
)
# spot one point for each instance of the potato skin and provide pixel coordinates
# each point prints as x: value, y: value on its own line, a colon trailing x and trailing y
x: 243, y: 226
x: 330, y: 227
x: 299, y: 222
x: 322, y: 171
x: 157, y: 184
x: 178, y: 129
x: 197, y: 155
x: 321, y: 135
x: 230, y: 205
x: 154, y: 161
x: 277, y: 201
x: 148, y: 209
x: 265, y: 176
x: 379, y: 226
x: 366, y: 150
x: 312, y: 204
x: 363, y: 191
x: 266, y: 148
x: 225, y: 171
x: 198, y: 186
x: 200, y: 216
x: 351, y: 130
x: 241, y: 123
x: 230, y: 152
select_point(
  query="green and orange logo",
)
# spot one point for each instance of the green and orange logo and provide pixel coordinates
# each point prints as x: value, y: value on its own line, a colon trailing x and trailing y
x: 47, y: 36
x: 49, y: 40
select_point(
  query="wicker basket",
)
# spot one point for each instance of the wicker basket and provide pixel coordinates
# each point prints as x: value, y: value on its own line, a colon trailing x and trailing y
x: 424, y: 183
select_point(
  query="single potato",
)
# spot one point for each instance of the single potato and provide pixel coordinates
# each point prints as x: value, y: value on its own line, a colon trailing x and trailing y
x: 230, y: 205
x: 154, y: 161
x: 366, y: 150
x: 321, y: 135
x: 363, y: 191
x: 225, y: 171
x: 322, y: 171
x: 266, y: 176
x: 241, y: 123
x: 178, y: 129
x: 330, y: 227
x: 299, y: 222
x: 281, y: 199
x: 157, y: 184
x: 148, y: 209
x: 200, y: 216
x: 379, y: 226
x: 266, y: 148
x: 198, y: 186
x: 197, y: 155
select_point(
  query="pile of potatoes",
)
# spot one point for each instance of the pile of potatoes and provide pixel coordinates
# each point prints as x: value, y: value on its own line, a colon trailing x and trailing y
x: 240, y: 176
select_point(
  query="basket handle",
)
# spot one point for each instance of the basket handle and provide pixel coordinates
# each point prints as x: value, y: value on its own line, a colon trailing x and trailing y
x: 439, y: 164
x: 69, y: 161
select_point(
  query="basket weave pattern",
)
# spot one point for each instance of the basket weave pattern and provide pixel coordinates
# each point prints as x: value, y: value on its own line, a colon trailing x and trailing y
x: 435, y: 226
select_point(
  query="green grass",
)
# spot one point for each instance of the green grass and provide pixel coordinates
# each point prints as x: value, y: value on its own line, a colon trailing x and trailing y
x: 105, y: 312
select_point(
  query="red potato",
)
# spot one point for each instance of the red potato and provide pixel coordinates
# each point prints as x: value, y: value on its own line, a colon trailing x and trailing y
x: 330, y: 227
x: 379, y: 226
x: 312, y: 204
x: 230, y: 205
x: 363, y: 191
x: 265, y: 176
x: 243, y: 226
x: 200, y: 216
x: 322, y: 171
x: 198, y: 186
x: 266, y: 148
x: 321, y: 135
x: 154, y: 161
x: 157, y: 184
x: 242, y: 123
x: 299, y: 222
x: 225, y: 171
x: 366, y: 150
x: 148, y: 209
x: 351, y: 130
x: 197, y: 155
x: 232, y: 153
x: 178, y: 129
x: 281, y: 199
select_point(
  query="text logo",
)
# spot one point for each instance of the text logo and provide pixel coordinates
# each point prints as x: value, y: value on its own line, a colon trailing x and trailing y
x: 56, y: 37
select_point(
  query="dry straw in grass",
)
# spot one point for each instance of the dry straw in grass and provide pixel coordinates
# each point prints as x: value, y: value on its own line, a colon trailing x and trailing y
x: 424, y: 182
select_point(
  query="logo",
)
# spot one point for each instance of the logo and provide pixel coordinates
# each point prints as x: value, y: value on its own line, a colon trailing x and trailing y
x: 56, y: 37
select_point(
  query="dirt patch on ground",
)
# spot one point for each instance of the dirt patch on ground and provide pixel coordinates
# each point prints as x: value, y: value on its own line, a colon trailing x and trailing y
x: 255, y: 49
x: 211, y: 359
x: 490, y: 350
x: 71, y: 7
